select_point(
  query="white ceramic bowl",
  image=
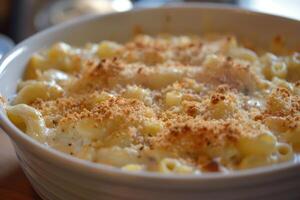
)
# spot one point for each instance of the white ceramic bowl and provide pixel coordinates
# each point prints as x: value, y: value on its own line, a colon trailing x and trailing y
x: 57, y: 176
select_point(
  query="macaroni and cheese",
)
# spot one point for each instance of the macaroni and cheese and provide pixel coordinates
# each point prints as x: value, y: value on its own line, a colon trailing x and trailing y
x: 170, y: 104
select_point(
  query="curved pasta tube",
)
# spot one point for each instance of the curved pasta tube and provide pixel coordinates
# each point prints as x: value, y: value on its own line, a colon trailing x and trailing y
x: 253, y: 161
x: 42, y: 90
x: 108, y: 49
x: 59, y: 51
x: 27, y: 119
x: 293, y: 63
x: 152, y: 127
x: 284, y: 152
x: 87, y: 128
x: 36, y: 64
x: 267, y: 60
x: 279, y: 69
x: 133, y: 167
x: 261, y: 145
x: 230, y: 43
x: 243, y: 53
x: 117, y: 156
x: 54, y: 75
x: 170, y: 165
x: 61, y: 56
x: 273, y: 66
x: 211, y: 60
x: 136, y: 92
x: 23, y: 84
x: 173, y: 98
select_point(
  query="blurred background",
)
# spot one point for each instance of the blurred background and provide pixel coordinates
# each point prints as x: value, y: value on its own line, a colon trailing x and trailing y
x: 22, y: 18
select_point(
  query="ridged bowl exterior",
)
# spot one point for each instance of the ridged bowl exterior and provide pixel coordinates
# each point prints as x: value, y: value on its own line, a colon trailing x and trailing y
x: 56, y: 176
x: 57, y: 183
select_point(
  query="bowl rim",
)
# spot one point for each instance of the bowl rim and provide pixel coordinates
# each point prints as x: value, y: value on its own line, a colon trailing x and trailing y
x: 92, y: 169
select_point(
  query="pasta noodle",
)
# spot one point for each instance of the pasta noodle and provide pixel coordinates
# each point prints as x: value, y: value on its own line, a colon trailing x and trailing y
x: 28, y: 120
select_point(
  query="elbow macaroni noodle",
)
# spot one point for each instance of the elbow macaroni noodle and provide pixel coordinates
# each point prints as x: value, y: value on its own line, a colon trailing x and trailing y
x: 28, y: 120
x: 168, y: 104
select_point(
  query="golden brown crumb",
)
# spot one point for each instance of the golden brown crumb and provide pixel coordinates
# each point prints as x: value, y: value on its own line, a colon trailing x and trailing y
x: 192, y: 110
x: 215, y: 98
